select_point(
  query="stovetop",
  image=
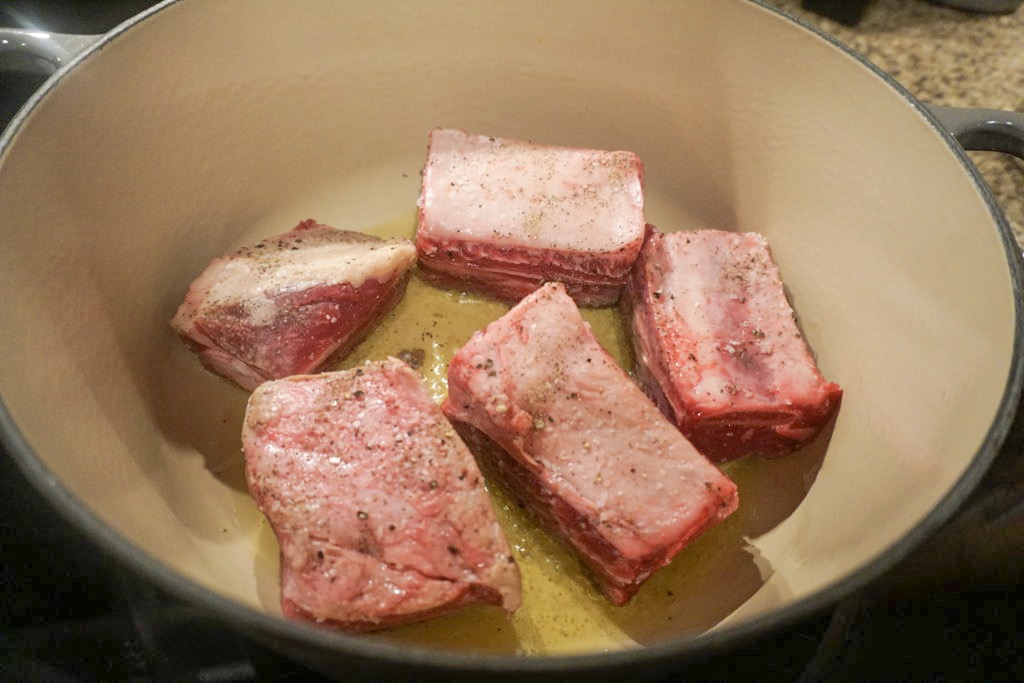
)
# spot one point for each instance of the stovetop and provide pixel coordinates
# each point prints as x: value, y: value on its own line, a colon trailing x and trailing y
x: 69, y: 613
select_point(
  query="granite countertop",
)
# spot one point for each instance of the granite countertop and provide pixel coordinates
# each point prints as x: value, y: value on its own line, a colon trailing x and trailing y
x: 951, y: 57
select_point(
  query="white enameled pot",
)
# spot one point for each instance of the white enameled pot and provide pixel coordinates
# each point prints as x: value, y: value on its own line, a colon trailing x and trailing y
x: 200, y: 125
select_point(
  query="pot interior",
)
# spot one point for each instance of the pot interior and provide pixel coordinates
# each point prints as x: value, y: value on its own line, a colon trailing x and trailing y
x: 173, y: 145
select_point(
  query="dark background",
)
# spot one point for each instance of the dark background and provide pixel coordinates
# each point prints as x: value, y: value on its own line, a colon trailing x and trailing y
x: 69, y: 613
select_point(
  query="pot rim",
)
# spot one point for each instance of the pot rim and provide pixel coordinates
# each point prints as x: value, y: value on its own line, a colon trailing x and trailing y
x: 692, y: 648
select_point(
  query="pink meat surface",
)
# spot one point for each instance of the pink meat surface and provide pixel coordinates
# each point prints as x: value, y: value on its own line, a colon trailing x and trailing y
x: 500, y: 217
x: 289, y: 304
x: 718, y: 348
x: 537, y: 396
x: 378, y: 506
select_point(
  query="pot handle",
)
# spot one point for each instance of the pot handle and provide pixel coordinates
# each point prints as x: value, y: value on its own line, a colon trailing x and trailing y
x: 983, y: 130
x: 39, y: 52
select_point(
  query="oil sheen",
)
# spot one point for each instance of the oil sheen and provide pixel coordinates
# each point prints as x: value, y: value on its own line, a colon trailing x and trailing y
x: 562, y: 612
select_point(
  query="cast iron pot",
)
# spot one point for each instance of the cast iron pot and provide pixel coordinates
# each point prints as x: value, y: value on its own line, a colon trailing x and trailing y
x: 200, y: 125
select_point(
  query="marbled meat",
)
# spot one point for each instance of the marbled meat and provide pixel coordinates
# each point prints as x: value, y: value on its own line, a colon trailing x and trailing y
x: 718, y: 348
x: 379, y: 508
x: 500, y: 217
x: 290, y: 304
x: 537, y: 397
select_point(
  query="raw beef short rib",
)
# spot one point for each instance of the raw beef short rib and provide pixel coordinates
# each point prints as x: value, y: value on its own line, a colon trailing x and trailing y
x: 537, y: 396
x: 717, y: 345
x: 500, y: 217
x: 289, y: 304
x: 378, y: 506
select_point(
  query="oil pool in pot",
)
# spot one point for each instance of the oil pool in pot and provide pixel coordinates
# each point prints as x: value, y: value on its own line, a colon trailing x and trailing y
x: 562, y: 612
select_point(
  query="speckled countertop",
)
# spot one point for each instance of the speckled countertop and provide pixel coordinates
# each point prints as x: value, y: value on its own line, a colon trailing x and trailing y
x: 947, y: 56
